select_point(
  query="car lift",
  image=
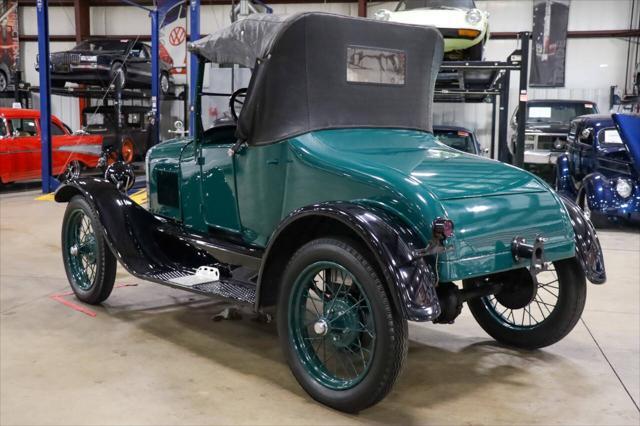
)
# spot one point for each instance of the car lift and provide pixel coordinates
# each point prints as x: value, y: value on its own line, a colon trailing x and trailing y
x: 485, y: 81
x: 49, y: 183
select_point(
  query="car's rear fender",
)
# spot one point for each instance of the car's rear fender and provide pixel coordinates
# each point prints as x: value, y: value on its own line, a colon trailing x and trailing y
x: 391, y: 243
x: 588, y: 250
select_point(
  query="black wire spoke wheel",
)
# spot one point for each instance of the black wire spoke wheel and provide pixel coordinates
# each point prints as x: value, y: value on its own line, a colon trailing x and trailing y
x: 543, y: 303
x: 344, y: 342
x: 88, y: 261
x: 529, y: 315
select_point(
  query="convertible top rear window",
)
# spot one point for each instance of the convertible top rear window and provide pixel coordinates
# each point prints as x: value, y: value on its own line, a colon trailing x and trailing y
x: 375, y: 66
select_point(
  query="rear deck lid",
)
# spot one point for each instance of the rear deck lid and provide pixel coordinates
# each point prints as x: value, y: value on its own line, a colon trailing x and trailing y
x: 446, y: 173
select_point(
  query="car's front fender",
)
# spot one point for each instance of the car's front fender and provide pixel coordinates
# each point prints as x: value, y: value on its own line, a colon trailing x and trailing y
x: 411, y: 280
x: 132, y: 232
x: 564, y: 183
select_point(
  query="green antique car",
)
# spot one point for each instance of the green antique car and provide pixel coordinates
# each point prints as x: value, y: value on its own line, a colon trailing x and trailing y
x: 329, y: 198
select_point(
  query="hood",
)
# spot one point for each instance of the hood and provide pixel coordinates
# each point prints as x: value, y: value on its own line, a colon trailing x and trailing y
x: 548, y: 127
x: 629, y: 128
x: 419, y: 159
x: 439, y: 18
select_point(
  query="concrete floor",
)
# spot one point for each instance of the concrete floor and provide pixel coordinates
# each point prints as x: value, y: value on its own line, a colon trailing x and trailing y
x: 152, y: 355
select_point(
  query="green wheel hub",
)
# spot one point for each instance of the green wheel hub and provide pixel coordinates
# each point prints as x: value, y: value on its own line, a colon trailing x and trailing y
x: 331, y: 325
x: 81, y: 248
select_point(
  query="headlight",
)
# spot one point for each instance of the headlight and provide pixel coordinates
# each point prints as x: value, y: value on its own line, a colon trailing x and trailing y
x: 558, y: 144
x: 624, y: 188
x: 474, y: 16
x: 382, y: 15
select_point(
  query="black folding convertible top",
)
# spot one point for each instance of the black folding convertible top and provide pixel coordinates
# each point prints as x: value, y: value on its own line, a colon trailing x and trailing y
x: 316, y: 71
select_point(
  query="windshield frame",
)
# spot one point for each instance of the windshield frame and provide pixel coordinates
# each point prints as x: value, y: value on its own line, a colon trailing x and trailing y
x: 578, y: 107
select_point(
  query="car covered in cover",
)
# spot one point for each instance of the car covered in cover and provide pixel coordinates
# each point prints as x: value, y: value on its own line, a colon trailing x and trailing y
x: 601, y: 167
x: 464, y: 27
x: 330, y: 200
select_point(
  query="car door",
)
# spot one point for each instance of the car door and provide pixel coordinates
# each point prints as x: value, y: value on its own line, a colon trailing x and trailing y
x: 586, y: 153
x: 59, y: 137
x: 24, y: 147
x: 217, y: 189
x: 139, y: 64
x: 6, y: 163
x: 573, y: 149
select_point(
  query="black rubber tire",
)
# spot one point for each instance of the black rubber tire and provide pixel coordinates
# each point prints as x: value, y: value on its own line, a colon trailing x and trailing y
x: 105, y: 260
x: 115, y: 67
x: 391, y: 329
x: 165, y: 90
x: 4, y: 81
x: 572, y: 295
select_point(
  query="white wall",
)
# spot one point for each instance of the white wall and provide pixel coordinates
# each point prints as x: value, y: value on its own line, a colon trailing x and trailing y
x: 593, y: 65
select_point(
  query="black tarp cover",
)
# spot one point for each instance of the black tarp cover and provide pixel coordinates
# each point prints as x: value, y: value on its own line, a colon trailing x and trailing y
x: 301, y: 81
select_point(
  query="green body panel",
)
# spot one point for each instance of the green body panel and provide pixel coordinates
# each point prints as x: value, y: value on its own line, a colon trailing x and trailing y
x: 406, y: 172
x: 164, y: 157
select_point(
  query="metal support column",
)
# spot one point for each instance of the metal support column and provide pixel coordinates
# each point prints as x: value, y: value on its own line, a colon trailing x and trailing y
x: 503, y: 120
x: 493, y: 126
x: 42, y: 9
x: 522, y: 98
x: 194, y: 35
x: 155, y: 75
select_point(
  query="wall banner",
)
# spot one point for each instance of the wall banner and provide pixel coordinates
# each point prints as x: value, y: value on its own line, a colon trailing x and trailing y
x: 173, y: 37
x: 550, y: 23
x: 9, y: 44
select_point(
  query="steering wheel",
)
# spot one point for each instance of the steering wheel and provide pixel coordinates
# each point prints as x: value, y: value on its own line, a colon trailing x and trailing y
x: 236, y: 101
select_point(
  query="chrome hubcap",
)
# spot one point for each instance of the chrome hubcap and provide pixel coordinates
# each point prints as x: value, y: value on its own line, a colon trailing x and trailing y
x: 321, y: 327
x: 74, y: 250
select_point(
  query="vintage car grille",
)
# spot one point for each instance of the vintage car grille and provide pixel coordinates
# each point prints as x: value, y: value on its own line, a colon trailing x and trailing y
x: 65, y: 58
x: 545, y: 142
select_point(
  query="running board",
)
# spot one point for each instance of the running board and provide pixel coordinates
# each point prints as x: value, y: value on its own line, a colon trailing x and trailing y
x: 227, y: 288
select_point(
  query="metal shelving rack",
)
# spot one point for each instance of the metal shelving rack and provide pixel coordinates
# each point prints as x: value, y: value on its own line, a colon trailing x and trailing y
x: 489, y: 81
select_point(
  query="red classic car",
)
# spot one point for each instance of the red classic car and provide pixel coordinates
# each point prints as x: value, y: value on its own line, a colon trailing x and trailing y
x: 20, y: 151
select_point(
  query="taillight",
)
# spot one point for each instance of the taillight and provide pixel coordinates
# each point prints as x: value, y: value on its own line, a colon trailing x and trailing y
x: 442, y: 228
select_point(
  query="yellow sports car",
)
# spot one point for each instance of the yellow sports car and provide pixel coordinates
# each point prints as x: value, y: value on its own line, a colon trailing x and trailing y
x: 464, y: 27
